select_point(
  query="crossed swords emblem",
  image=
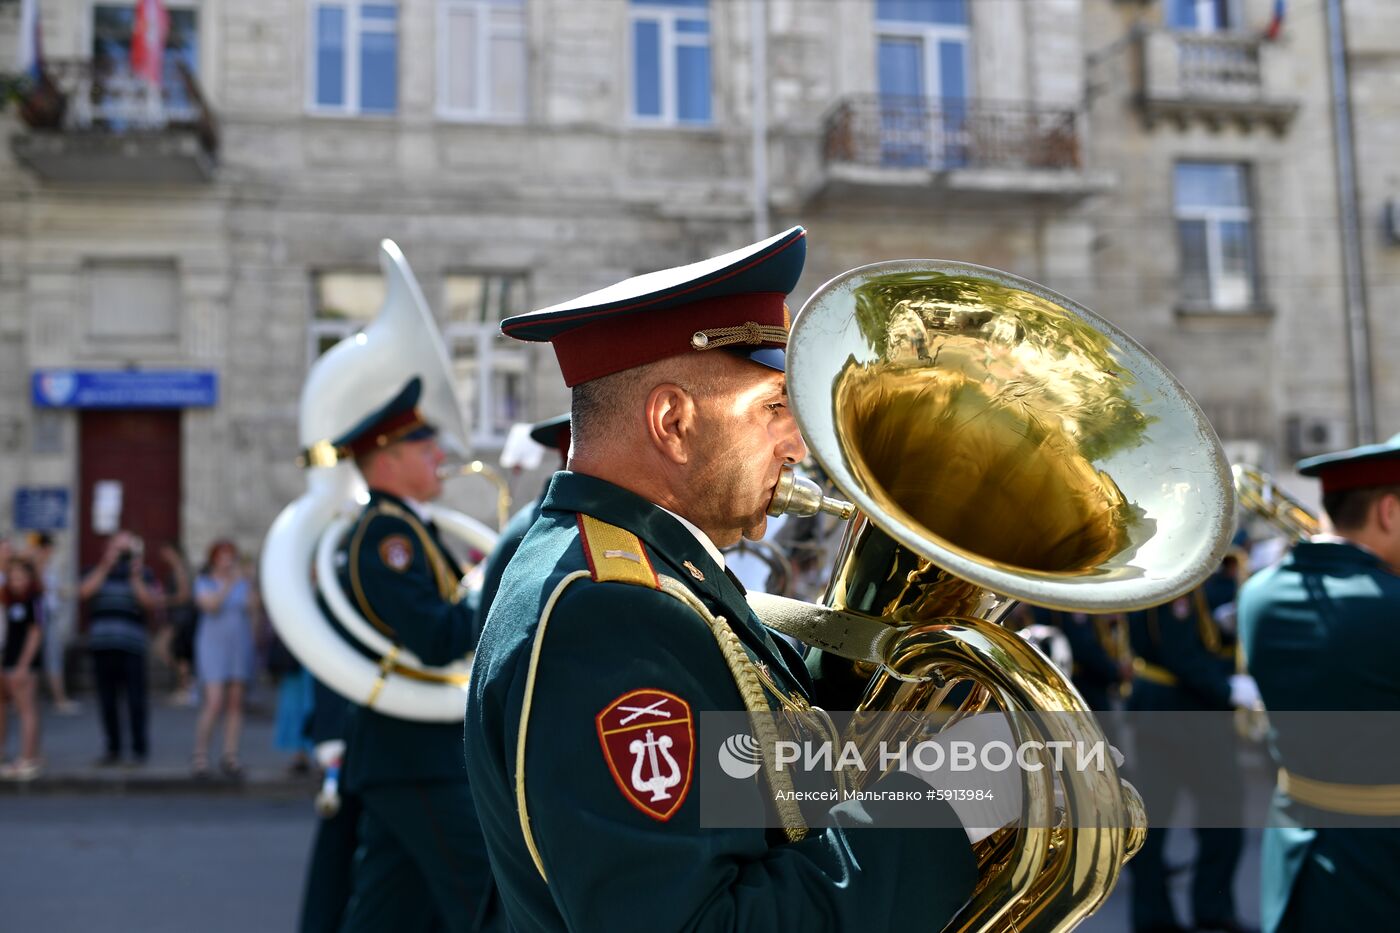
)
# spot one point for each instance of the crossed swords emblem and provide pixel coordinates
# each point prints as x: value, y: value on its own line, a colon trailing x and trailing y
x: 652, y: 754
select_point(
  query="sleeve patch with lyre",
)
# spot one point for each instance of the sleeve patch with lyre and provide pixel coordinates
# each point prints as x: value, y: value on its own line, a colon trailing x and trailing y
x: 397, y: 552
x: 615, y: 555
x: 648, y: 740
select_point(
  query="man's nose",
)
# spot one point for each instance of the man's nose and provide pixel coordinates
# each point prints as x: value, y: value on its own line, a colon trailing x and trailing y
x: 791, y: 448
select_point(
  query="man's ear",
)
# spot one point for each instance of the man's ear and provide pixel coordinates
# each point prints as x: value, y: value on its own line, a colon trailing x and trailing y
x: 1388, y: 513
x: 670, y: 420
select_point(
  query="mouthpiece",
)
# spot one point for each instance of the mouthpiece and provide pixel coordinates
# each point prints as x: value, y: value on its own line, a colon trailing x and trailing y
x: 797, y: 495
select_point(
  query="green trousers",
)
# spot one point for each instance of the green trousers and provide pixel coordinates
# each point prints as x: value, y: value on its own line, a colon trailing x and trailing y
x: 421, y: 863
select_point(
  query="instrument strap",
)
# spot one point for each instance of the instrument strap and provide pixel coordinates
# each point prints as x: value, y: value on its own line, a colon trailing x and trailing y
x: 851, y: 636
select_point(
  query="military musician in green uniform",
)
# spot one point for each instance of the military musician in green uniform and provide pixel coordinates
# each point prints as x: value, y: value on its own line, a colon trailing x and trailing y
x: 617, y: 625
x: 421, y: 864
x: 1321, y: 632
x: 1099, y: 651
x: 1184, y: 661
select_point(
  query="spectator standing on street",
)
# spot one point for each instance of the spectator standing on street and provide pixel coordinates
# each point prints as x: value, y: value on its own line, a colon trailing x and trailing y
x: 295, y: 696
x: 121, y: 594
x: 223, y: 653
x: 58, y: 621
x: 19, y: 664
x: 175, y: 642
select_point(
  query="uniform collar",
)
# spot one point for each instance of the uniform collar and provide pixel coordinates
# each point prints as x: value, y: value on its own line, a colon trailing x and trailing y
x: 666, y: 533
x: 417, y: 508
x: 715, y: 554
x: 671, y: 542
x: 1332, y: 549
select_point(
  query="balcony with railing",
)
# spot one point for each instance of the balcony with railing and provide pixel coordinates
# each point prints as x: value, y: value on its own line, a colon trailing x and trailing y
x: 1213, y: 78
x: 86, y: 122
x: 990, y: 148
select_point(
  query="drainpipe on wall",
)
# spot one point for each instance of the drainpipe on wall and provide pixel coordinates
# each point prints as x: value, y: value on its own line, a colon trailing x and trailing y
x: 758, y: 28
x: 1363, y: 403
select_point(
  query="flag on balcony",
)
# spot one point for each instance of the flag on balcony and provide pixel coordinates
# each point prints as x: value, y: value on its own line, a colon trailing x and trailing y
x: 1271, y: 32
x: 148, y: 40
x: 31, y: 51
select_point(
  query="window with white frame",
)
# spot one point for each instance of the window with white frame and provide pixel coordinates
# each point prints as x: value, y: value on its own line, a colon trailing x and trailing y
x: 1202, y: 15
x: 491, y: 370
x: 670, y: 59
x: 354, y: 60
x: 1215, y: 235
x: 345, y: 302
x: 481, y: 59
x: 923, y: 78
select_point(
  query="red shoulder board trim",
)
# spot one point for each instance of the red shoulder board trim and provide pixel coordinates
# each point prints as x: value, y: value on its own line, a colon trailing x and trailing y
x: 648, y: 739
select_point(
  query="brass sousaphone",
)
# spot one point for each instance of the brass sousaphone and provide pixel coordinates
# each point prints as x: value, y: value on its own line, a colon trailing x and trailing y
x: 298, y: 570
x: 1000, y: 442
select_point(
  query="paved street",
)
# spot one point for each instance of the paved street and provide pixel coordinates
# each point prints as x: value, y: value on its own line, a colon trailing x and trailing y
x: 148, y: 850
x: 224, y: 864
x: 151, y: 864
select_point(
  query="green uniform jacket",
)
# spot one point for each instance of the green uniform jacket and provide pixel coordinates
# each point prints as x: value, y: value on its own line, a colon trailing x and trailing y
x: 1321, y: 632
x: 1181, y: 640
x: 402, y: 579
x: 611, y: 865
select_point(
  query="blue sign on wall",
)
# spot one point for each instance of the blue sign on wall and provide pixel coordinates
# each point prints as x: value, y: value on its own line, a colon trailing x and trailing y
x: 41, y: 508
x: 102, y: 388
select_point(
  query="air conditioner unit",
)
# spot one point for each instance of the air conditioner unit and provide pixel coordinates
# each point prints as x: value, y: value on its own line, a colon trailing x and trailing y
x: 1310, y: 435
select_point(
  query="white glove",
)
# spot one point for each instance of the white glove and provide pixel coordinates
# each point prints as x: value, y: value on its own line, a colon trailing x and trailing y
x: 1224, y: 615
x: 1244, y: 692
x: 330, y: 753
x: 1001, y: 803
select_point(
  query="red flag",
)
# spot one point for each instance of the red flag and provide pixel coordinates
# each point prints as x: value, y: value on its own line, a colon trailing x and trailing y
x: 148, y: 40
x: 1271, y: 31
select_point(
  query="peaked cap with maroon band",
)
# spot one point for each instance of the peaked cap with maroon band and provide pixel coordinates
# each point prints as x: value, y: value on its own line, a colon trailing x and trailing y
x: 735, y: 302
x: 396, y: 420
x: 1357, y: 468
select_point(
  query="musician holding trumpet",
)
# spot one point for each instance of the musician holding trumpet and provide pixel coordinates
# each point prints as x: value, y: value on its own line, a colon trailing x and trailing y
x: 617, y: 624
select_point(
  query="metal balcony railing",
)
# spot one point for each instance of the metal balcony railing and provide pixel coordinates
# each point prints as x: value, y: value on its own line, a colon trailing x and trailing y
x: 919, y: 132
x: 80, y: 95
x: 1219, y: 66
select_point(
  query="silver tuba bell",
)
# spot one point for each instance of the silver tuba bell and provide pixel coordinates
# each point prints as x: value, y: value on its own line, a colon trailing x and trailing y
x: 354, y: 377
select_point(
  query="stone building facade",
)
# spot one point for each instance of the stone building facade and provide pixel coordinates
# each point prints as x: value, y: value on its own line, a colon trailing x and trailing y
x: 525, y: 151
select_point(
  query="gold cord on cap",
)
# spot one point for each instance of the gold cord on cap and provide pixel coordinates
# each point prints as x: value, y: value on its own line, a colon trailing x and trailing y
x: 746, y: 333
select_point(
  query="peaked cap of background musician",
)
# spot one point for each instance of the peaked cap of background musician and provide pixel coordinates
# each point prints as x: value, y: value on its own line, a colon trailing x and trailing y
x: 552, y: 433
x: 735, y: 302
x: 1357, y: 468
x: 396, y: 420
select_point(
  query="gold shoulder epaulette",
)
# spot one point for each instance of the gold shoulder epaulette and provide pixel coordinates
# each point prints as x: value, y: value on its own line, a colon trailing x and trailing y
x: 615, y: 555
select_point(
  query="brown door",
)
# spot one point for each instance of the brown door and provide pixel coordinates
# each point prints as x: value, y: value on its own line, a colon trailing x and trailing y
x: 140, y: 450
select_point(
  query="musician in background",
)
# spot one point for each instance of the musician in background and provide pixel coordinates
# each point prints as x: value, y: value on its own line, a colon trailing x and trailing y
x: 1321, y: 631
x: 617, y: 624
x: 421, y: 863
x: 1185, y: 662
x: 1102, y: 665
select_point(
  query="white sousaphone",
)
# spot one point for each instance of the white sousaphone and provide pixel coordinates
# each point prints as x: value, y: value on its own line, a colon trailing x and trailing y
x: 355, y: 377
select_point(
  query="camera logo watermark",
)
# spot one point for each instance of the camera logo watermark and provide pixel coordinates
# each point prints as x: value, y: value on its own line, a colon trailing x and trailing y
x: 740, y: 757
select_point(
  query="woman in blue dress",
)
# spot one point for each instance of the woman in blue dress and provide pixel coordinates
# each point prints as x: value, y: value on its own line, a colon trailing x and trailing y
x: 223, y: 654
